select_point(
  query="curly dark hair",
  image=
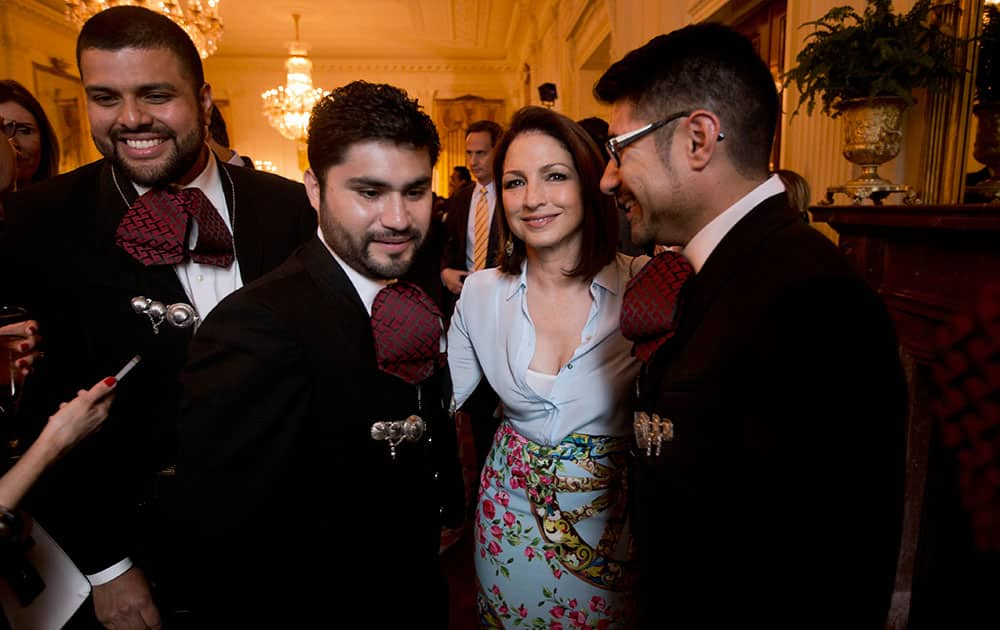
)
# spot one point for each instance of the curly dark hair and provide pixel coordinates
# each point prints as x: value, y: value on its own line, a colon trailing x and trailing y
x: 702, y: 66
x: 12, y: 91
x: 600, y: 215
x: 362, y: 111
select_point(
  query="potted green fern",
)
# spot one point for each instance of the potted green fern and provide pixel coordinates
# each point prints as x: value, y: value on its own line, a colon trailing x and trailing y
x: 865, y: 68
x: 873, y: 54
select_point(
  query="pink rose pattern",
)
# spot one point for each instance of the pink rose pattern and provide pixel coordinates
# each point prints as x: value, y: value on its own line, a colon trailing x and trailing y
x: 504, y: 539
x: 556, y: 612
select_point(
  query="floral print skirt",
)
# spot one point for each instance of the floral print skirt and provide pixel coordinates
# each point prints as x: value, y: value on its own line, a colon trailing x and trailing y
x: 552, y: 546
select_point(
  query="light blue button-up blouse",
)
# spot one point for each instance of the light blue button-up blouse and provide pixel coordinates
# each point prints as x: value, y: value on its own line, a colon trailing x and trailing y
x: 492, y: 335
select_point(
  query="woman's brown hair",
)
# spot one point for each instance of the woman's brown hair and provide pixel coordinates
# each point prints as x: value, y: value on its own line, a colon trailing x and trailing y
x: 600, y: 216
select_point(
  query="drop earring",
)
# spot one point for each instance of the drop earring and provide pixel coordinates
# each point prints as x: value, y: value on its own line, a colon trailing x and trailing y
x: 508, y: 247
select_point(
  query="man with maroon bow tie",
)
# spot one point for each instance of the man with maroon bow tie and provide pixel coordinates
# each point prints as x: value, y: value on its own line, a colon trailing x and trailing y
x: 315, y: 434
x: 771, y: 409
x: 160, y: 218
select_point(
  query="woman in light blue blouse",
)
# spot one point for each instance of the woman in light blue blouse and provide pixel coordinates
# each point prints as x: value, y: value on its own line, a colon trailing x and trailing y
x: 552, y: 542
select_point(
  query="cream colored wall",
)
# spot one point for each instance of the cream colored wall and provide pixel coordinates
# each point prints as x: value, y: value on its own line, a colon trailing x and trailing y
x: 567, y: 42
x: 31, y: 32
x: 241, y: 81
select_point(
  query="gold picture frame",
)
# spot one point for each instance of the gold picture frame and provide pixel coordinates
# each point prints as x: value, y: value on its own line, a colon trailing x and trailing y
x: 62, y: 97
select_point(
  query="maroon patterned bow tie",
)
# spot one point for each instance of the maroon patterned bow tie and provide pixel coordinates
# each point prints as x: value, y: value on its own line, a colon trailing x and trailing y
x: 155, y: 227
x: 651, y: 301
x: 407, y: 328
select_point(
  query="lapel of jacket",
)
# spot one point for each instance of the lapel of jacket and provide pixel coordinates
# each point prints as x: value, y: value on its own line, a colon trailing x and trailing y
x: 115, y: 193
x: 248, y: 233
x: 334, y: 284
x: 731, y: 255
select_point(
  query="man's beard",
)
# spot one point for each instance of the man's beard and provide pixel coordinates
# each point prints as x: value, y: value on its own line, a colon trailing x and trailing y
x: 168, y: 169
x: 355, y: 251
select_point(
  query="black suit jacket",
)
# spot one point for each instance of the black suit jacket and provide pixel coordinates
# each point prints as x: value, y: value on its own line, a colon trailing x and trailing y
x: 278, y: 471
x: 778, y: 503
x: 62, y: 262
x: 457, y: 223
x: 457, y: 239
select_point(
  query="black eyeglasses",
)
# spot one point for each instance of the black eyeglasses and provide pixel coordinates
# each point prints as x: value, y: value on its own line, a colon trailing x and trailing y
x: 616, y: 144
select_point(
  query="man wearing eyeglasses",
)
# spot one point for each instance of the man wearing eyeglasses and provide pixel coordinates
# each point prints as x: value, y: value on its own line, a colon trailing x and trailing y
x: 771, y: 409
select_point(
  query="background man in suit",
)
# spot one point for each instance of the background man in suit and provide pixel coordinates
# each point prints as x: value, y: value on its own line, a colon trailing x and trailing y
x: 83, y: 245
x: 286, y: 382
x: 471, y: 244
x: 472, y: 238
x: 777, y: 499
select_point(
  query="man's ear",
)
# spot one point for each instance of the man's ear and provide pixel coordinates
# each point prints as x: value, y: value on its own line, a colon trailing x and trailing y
x: 704, y: 134
x: 312, y: 188
x: 205, y: 100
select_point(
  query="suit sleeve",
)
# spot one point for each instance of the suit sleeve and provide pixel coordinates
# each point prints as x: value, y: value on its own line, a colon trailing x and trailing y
x: 89, y: 514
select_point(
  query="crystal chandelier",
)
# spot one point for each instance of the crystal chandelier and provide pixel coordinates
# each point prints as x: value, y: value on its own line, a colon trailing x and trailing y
x: 199, y: 19
x: 287, y: 107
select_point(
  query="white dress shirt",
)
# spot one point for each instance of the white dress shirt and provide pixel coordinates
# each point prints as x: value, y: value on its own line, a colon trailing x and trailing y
x: 702, y: 244
x: 470, y: 226
x: 207, y: 285
x: 492, y: 335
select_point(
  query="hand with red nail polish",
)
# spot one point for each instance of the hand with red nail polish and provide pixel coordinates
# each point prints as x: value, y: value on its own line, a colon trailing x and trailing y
x: 23, y: 339
x: 73, y: 421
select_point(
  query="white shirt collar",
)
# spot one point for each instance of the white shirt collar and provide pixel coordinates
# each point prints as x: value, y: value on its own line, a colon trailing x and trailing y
x: 701, y: 246
x: 366, y: 287
x: 607, y: 278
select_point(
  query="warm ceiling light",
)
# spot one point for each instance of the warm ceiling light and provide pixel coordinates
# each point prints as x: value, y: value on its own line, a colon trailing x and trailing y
x: 287, y: 107
x: 199, y: 19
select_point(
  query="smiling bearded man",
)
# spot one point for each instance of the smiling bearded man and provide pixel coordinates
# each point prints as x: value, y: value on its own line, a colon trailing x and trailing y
x: 158, y: 219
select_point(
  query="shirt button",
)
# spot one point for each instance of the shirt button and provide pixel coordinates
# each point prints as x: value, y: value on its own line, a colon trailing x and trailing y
x: 200, y: 278
x: 569, y: 366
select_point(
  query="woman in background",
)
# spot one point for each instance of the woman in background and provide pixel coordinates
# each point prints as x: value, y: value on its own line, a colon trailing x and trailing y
x: 30, y: 132
x: 552, y: 543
